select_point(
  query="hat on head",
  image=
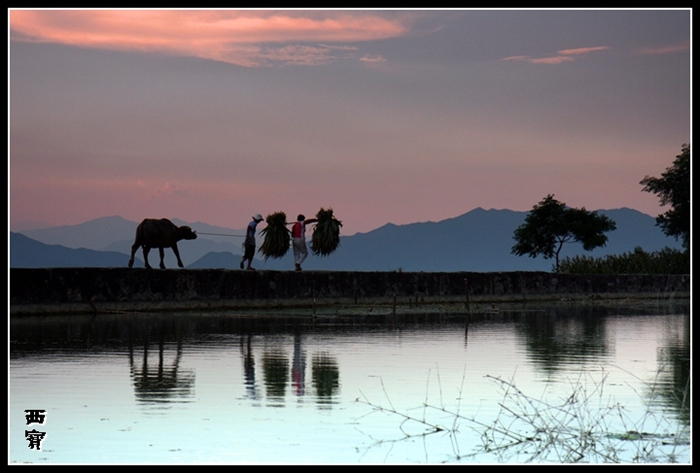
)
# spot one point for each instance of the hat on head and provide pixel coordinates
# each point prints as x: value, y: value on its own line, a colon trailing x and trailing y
x: 257, y: 217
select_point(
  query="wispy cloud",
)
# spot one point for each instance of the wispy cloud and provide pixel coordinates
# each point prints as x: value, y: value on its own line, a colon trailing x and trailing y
x: 579, y: 51
x: 550, y: 60
x: 563, y: 55
x: 372, y: 58
x: 166, y: 190
x: 247, y: 38
x: 674, y: 48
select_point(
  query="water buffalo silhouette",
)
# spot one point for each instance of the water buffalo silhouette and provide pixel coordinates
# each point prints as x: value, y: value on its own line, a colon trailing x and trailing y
x: 161, y: 234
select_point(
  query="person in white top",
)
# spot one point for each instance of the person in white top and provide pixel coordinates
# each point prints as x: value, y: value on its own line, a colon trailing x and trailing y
x: 249, y: 243
x: 299, y: 240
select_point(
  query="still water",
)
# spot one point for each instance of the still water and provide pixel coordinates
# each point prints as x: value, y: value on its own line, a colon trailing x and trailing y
x: 222, y: 388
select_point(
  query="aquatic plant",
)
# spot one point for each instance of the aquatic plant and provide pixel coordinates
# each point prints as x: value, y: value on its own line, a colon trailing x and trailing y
x: 583, y: 427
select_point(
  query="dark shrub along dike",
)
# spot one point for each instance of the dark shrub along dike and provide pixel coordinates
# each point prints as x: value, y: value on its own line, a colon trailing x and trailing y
x: 68, y: 290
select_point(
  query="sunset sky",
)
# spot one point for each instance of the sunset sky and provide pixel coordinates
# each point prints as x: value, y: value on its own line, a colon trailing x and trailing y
x: 385, y: 116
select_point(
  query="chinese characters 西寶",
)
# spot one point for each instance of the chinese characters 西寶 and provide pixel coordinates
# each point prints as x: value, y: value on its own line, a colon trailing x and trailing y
x: 34, y: 416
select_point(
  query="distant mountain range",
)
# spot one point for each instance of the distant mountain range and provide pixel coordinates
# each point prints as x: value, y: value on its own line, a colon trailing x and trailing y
x: 28, y: 253
x: 479, y: 240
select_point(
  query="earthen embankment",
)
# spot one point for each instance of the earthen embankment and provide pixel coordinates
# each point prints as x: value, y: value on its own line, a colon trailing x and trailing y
x: 75, y: 290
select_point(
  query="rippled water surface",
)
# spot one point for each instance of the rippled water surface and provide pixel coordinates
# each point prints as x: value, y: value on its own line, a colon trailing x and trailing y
x: 250, y: 388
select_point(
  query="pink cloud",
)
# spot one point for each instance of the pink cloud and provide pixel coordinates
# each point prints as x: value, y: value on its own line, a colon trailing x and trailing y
x: 248, y: 38
x: 165, y: 190
x: 300, y: 54
x: 550, y: 60
x: 579, y: 51
x: 516, y: 58
x: 564, y: 55
x: 372, y: 59
x: 674, y: 48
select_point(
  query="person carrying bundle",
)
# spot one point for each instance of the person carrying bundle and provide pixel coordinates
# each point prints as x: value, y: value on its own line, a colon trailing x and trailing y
x: 299, y: 240
x: 249, y: 243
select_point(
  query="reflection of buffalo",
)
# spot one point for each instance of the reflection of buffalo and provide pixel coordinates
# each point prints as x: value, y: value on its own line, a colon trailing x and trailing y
x: 161, y: 234
x: 161, y: 383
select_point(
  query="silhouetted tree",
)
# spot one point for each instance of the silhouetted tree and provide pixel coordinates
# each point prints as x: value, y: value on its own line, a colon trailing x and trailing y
x: 551, y: 223
x: 673, y: 188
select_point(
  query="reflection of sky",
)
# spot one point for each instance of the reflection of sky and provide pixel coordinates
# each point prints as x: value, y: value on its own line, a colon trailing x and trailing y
x: 93, y: 415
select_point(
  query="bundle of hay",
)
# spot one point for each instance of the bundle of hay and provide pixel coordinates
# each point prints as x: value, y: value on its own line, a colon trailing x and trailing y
x: 326, y: 235
x: 277, y: 237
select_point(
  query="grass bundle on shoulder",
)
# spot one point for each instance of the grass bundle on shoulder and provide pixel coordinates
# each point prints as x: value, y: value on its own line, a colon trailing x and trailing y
x: 276, y: 236
x: 326, y: 235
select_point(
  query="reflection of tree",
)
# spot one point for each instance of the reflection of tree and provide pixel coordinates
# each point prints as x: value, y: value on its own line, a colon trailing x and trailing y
x: 276, y: 371
x: 325, y: 377
x: 163, y: 382
x: 674, y: 383
x: 557, y: 337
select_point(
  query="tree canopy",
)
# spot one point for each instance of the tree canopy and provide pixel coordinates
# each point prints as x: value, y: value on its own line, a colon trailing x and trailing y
x: 551, y: 223
x: 673, y: 188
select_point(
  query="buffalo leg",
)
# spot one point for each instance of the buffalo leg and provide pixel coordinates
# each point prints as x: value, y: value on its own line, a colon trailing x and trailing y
x: 146, y: 249
x: 134, y: 247
x: 161, y: 251
x: 177, y: 254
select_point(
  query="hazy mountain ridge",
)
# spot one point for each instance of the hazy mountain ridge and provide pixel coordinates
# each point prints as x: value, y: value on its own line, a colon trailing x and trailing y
x: 479, y: 240
x: 102, y: 233
x: 28, y: 253
x: 116, y: 234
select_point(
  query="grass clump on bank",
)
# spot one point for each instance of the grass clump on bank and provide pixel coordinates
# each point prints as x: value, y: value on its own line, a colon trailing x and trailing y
x: 638, y: 261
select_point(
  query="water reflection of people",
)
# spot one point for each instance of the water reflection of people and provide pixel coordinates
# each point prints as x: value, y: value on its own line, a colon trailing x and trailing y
x: 277, y: 374
x: 298, y: 366
x: 249, y: 369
